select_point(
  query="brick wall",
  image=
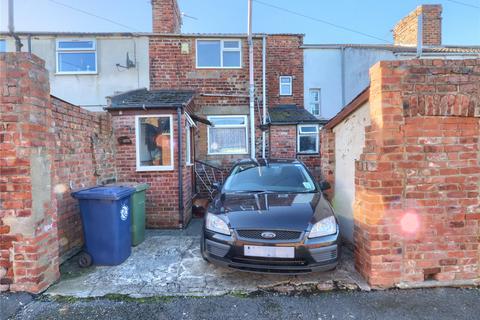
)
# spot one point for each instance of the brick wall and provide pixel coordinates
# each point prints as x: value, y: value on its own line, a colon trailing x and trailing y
x: 166, y: 16
x: 226, y: 89
x: 417, y: 206
x: 162, y: 207
x: 84, y: 156
x: 327, y: 158
x: 406, y: 30
x: 28, y: 216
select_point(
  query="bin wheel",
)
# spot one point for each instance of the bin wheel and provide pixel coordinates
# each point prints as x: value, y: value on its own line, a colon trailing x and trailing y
x: 84, y: 260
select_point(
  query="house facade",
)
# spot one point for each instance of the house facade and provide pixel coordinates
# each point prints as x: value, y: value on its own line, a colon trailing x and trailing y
x: 85, y: 68
x: 336, y: 73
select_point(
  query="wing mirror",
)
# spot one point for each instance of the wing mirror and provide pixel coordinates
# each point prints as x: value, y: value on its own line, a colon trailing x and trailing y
x: 325, y: 185
x: 217, y: 186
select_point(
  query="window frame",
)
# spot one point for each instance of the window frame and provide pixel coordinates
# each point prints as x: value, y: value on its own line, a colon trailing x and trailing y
x: 280, y: 85
x: 210, y: 118
x: 319, y: 101
x: 299, y: 134
x: 4, y: 41
x: 222, y: 49
x: 189, y: 124
x: 59, y: 51
x: 139, y: 167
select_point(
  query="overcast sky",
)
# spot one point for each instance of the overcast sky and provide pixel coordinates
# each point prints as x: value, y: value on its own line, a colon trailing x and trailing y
x: 372, y: 19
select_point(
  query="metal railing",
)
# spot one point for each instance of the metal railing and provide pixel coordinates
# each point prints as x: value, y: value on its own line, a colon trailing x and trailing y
x: 207, y: 174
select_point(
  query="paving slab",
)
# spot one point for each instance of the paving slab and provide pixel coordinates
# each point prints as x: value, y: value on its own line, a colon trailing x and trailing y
x: 169, y: 263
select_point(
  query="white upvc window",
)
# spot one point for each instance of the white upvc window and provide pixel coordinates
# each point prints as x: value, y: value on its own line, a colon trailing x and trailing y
x: 285, y: 85
x: 314, y: 101
x: 154, y: 142
x: 307, y: 138
x: 215, y: 53
x: 228, y: 135
x: 76, y: 56
x: 189, y: 124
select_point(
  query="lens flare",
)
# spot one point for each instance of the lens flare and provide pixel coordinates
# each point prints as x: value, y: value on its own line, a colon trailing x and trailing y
x: 410, y: 222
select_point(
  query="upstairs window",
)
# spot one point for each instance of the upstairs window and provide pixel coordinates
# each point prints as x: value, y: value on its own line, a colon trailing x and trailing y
x: 219, y: 54
x: 307, y: 138
x: 76, y: 56
x: 3, y: 45
x: 314, y: 102
x: 285, y: 85
x: 228, y: 135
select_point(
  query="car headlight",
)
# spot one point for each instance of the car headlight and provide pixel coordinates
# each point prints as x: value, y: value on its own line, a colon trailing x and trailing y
x: 324, y: 227
x: 216, y: 224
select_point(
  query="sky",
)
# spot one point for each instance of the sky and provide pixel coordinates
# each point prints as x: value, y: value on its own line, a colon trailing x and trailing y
x: 370, y: 20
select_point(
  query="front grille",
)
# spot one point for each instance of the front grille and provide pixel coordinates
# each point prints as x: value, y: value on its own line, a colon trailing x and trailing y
x: 217, y: 249
x: 280, y: 235
x: 324, y: 254
x: 270, y: 261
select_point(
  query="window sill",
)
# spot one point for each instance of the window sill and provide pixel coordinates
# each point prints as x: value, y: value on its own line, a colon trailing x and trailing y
x: 156, y: 168
x: 307, y: 153
x: 218, y: 68
x: 76, y: 73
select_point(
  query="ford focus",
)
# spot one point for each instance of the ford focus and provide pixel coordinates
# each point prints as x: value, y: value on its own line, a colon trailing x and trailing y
x: 271, y: 216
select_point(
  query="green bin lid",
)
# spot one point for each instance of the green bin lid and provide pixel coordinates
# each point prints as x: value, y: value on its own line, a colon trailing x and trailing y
x: 138, y: 186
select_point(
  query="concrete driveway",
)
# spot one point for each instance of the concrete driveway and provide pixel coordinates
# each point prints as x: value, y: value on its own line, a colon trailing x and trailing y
x: 168, y: 263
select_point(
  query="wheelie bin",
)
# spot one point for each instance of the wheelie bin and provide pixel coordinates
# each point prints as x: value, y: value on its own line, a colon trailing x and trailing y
x: 106, y: 219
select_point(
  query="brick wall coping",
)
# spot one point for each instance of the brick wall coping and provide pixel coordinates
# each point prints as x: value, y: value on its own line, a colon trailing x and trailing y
x: 356, y: 103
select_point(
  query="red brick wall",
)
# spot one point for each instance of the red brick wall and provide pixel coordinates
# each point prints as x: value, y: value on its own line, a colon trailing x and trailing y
x: 327, y: 158
x: 166, y: 16
x: 169, y: 68
x: 28, y: 216
x: 162, y: 208
x: 406, y: 30
x: 417, y: 206
x: 84, y: 156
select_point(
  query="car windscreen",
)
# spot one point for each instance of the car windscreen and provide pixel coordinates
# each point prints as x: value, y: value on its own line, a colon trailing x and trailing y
x: 276, y: 177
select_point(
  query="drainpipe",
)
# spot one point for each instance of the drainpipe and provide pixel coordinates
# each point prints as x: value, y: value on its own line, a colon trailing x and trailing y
x: 252, y: 82
x: 264, y: 94
x: 180, y: 168
x: 420, y: 35
x: 343, y: 74
x: 11, y: 27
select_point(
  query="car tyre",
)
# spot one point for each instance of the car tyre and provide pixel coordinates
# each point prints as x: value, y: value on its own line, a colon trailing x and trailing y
x: 202, y: 249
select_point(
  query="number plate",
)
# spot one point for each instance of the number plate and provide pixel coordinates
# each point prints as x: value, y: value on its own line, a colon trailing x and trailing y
x: 269, y: 252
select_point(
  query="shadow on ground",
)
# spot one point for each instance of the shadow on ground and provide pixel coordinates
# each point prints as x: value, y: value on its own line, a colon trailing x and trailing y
x: 168, y: 263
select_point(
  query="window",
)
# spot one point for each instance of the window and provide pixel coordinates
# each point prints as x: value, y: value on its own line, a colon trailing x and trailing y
x: 3, y: 45
x: 219, y: 54
x: 314, y: 103
x: 285, y: 85
x: 154, y: 143
x: 228, y: 136
x: 76, y: 56
x: 188, y: 139
x: 307, y: 138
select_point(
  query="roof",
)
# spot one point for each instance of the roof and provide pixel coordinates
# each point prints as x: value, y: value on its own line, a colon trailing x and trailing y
x: 356, y: 103
x: 143, y: 98
x: 144, y: 34
x: 291, y: 114
x: 396, y: 48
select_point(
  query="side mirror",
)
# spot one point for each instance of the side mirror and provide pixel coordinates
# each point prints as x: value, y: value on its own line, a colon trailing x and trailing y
x: 325, y: 185
x: 217, y: 186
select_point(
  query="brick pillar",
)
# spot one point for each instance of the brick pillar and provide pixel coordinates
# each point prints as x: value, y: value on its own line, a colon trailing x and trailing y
x: 417, y: 200
x: 28, y: 217
x: 327, y: 154
x: 166, y: 16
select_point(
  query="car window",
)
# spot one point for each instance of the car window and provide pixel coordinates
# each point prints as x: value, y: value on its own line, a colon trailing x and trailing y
x: 283, y: 177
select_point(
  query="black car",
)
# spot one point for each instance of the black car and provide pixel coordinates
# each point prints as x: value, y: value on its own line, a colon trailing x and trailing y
x: 271, y: 216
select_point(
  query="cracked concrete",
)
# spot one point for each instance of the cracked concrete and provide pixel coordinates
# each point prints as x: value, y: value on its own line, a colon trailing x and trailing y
x: 168, y: 263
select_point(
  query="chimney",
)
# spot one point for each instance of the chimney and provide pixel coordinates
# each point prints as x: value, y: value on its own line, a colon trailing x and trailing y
x: 424, y: 25
x: 166, y: 16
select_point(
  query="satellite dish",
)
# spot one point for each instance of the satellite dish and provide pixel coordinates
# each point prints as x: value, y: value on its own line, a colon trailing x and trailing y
x: 128, y: 63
